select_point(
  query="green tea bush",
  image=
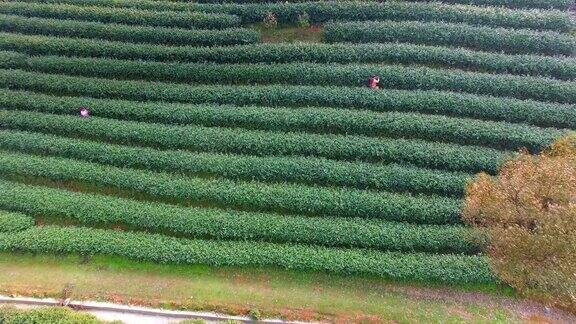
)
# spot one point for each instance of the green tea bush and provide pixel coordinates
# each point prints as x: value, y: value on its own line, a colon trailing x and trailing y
x: 433, y: 102
x: 393, y: 76
x: 438, y: 155
x: 322, y: 120
x: 126, y: 33
x: 220, y: 224
x: 158, y: 248
x: 323, y: 11
x: 121, y: 16
x: 557, y: 67
x: 459, y: 35
x: 299, y: 169
x: 13, y: 222
x: 251, y: 196
x: 518, y: 4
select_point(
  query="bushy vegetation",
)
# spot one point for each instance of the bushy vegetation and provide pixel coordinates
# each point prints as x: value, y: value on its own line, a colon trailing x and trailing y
x: 121, y: 16
x: 393, y: 76
x: 213, y: 223
x: 263, y: 143
x: 165, y: 131
x: 307, y: 170
x: 513, y: 41
x: 403, y: 53
x: 13, y: 222
x: 126, y: 33
x: 433, y: 102
x: 45, y: 315
x: 281, y: 198
x: 445, y: 268
x: 543, y: 4
x: 529, y: 212
x: 358, y: 11
x: 321, y: 120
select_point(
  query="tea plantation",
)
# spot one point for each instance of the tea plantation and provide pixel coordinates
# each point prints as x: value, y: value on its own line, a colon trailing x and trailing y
x: 207, y: 145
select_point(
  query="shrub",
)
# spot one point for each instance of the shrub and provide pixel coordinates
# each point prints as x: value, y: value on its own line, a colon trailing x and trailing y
x: 436, y: 155
x: 121, y: 16
x: 319, y: 120
x: 270, y: 21
x: 298, y: 169
x: 323, y: 11
x: 434, y: 56
x: 250, y: 196
x: 392, y: 77
x: 126, y: 33
x: 227, y: 224
x: 529, y: 211
x: 434, y: 102
x: 423, y: 267
x: 303, y: 20
x: 513, y: 41
x: 13, y: 222
x: 525, y: 4
x: 46, y: 315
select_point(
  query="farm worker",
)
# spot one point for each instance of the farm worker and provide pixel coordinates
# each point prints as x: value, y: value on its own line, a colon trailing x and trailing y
x: 84, y: 112
x: 373, y: 82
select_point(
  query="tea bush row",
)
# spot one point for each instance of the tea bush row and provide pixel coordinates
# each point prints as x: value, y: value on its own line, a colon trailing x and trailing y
x: 401, y: 53
x: 249, y: 196
x: 458, y: 35
x: 121, y: 16
x: 220, y: 224
x: 438, y: 155
x: 392, y: 76
x: 126, y: 33
x: 321, y: 120
x: 323, y: 11
x: 306, y: 170
x: 432, y: 102
x: 14, y: 222
x: 162, y: 249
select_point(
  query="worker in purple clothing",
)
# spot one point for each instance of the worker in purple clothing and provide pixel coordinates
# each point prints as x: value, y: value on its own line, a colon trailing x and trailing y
x: 84, y: 112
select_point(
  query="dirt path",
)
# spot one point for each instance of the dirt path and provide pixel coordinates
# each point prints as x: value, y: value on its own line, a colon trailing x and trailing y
x: 129, y: 314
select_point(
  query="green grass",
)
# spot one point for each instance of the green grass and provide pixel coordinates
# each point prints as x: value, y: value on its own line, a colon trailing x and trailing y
x: 286, y: 294
x: 290, y: 33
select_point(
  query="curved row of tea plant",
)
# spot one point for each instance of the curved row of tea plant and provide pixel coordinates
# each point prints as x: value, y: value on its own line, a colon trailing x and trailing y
x: 14, y: 222
x: 557, y: 67
x: 437, y: 33
x: 399, y: 11
x: 357, y: 11
x: 434, y: 102
x: 219, y: 224
x: 262, y: 143
x: 121, y: 16
x: 251, y: 196
x: 516, y: 4
x: 298, y: 169
x: 321, y: 120
x: 126, y: 33
x: 519, y: 4
x: 158, y: 248
x: 393, y: 76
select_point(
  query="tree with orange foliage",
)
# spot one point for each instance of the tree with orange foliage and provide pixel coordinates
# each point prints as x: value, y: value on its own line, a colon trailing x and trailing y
x: 529, y: 213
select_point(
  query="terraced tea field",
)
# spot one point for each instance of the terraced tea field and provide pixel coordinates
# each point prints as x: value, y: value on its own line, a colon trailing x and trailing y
x: 206, y: 145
